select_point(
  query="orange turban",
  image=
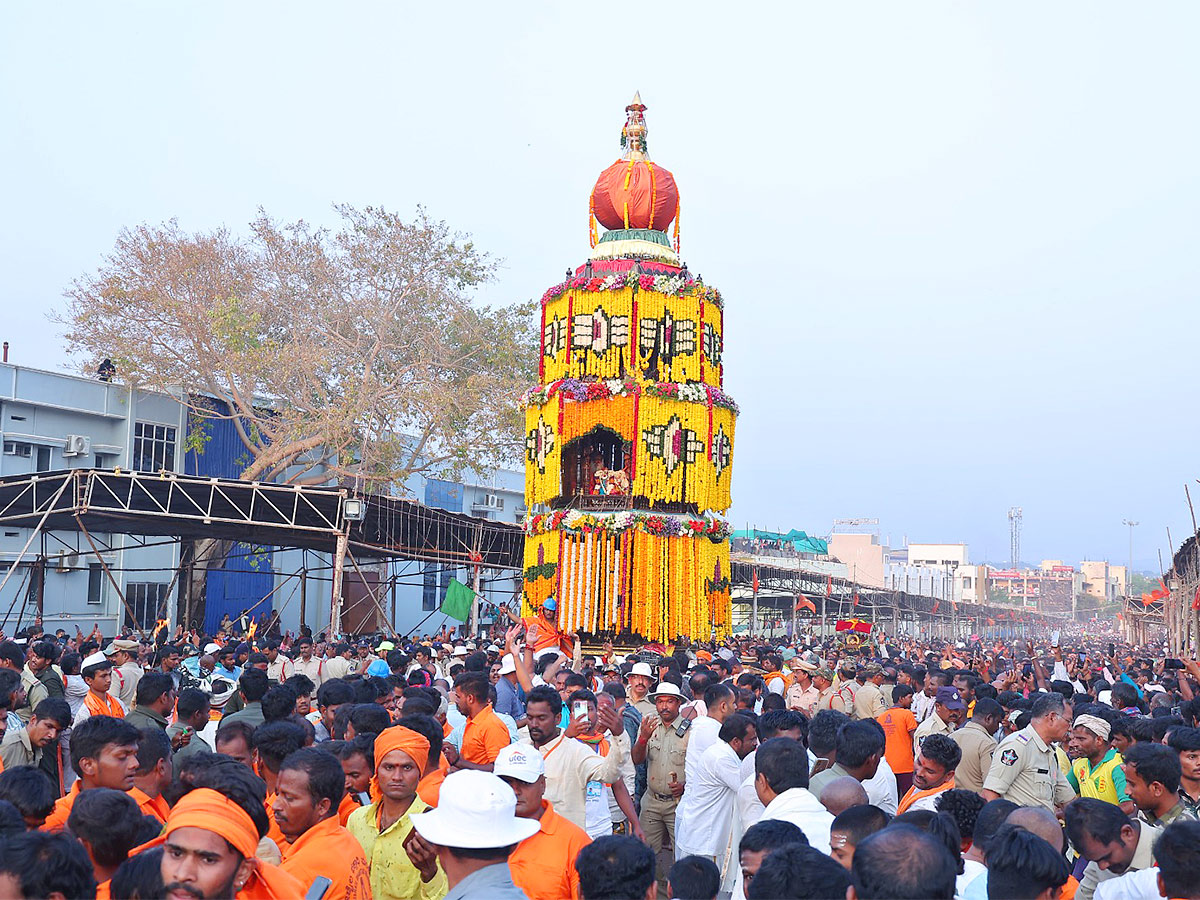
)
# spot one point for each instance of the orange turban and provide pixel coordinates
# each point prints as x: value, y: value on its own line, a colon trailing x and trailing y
x: 397, y: 737
x: 212, y: 811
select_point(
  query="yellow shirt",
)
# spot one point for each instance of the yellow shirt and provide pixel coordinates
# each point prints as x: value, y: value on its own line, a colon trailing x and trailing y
x: 393, y: 876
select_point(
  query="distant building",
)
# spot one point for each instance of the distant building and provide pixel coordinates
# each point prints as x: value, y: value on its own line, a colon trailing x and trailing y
x: 1104, y: 582
x: 50, y: 421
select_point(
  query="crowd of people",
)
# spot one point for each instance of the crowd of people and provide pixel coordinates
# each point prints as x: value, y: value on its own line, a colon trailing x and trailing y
x: 522, y: 765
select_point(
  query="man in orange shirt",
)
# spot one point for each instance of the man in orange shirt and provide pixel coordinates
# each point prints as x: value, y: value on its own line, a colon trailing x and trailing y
x: 97, y: 673
x: 484, y: 735
x: 541, y: 630
x: 543, y: 866
x: 899, y: 723
x: 209, y: 844
x: 430, y: 787
x: 104, y: 753
x: 108, y: 825
x: 307, y: 794
x: 153, y: 773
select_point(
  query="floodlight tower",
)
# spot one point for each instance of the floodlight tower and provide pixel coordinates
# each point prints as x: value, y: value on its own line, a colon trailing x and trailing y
x: 1014, y: 530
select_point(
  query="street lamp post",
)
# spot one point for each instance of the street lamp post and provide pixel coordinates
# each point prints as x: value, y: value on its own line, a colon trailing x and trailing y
x: 1129, y: 571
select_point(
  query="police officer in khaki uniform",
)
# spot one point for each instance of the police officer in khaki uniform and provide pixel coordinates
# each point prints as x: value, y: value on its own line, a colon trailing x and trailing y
x: 663, y: 749
x: 868, y: 699
x: 828, y: 697
x: 1025, y: 767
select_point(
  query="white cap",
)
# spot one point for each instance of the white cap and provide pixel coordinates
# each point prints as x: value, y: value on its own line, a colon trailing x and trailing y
x: 211, y: 648
x: 460, y: 651
x: 507, y: 666
x: 618, y: 659
x: 475, y: 810
x: 95, y: 659
x: 470, y: 645
x: 1104, y: 697
x: 641, y: 669
x: 521, y: 761
x: 666, y: 689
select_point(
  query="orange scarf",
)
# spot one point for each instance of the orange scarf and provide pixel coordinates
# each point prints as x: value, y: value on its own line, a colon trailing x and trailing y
x: 914, y: 795
x: 107, y: 707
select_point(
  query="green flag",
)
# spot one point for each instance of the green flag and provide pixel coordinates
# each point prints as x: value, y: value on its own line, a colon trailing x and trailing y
x: 457, y: 604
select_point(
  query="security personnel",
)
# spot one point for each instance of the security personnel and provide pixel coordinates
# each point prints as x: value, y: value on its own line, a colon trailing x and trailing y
x: 868, y: 699
x: 1024, y: 767
x: 663, y: 748
x: 828, y: 697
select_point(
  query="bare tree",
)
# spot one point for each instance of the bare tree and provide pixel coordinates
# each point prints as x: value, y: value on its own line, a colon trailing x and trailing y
x: 359, y: 352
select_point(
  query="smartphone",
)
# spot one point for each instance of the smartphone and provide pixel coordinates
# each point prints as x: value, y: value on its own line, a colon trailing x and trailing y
x: 579, y: 709
x: 1082, y: 658
x: 1112, y: 649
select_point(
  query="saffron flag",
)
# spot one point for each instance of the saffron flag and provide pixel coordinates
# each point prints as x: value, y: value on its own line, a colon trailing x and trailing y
x: 756, y: 581
x: 1196, y: 599
x: 804, y: 603
x: 457, y: 603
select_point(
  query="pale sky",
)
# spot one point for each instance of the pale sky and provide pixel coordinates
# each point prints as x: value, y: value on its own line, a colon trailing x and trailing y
x: 957, y: 240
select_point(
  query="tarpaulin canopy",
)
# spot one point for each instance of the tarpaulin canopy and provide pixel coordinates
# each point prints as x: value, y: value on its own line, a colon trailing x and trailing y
x: 799, y: 540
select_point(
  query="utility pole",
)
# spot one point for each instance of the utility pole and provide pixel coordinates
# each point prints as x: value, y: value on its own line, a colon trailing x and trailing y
x: 1129, y: 572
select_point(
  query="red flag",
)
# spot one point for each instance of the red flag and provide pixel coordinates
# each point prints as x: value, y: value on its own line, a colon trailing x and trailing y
x: 1196, y: 599
x: 804, y: 603
x: 853, y: 625
x: 756, y: 581
x: 936, y: 604
x: 828, y: 585
x: 991, y: 621
x: 855, y: 598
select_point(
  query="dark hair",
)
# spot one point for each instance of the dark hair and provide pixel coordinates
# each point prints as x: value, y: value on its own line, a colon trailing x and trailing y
x: 275, y: 741
x: 770, y: 702
x: 990, y: 818
x: 576, y: 679
x: 543, y: 693
x: 153, y: 747
x: 109, y: 821
x: 771, y: 723
x: 69, y: 663
x: 823, y: 729
x: 941, y: 749
x: 93, y: 734
x: 717, y: 692
x: 1154, y: 762
x: 943, y: 827
x: 900, y: 691
x: 1125, y: 695
x: 799, y: 872
x: 770, y: 834
x: 12, y: 822
x: 29, y: 790
x: 694, y: 878
x: 46, y: 650
x: 279, y: 702
x: 232, y: 730
x: 361, y: 746
x: 1099, y: 820
x: 1177, y: 853
x: 615, y: 867
x: 325, y: 776
x: 54, y: 709
x: 46, y: 863
x: 152, y: 686
x: 963, y: 806
x: 783, y: 762
x: 736, y: 727
x: 191, y: 701
x: 426, y: 726
x: 140, y: 876
x: 335, y: 693
x: 1160, y: 725
x: 369, y: 718
x: 857, y: 742
x: 859, y: 822
x: 940, y: 677
x: 903, y: 863
x: 254, y: 684
x: 615, y: 690
x: 1184, y: 739
x: 13, y: 654
x: 301, y: 684
x: 1021, y: 864
x: 1141, y: 730
x: 986, y: 707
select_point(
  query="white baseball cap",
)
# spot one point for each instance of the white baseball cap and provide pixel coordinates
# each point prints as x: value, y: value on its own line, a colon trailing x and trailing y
x: 476, y: 810
x: 507, y: 666
x: 641, y: 669
x: 211, y: 648
x: 522, y: 761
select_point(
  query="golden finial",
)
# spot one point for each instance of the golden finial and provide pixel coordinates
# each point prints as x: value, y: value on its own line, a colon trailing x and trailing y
x: 633, y: 135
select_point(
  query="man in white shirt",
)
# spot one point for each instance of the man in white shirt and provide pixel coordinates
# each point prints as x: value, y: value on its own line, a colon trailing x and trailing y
x: 781, y: 780
x: 922, y: 705
x: 279, y: 667
x: 341, y: 664
x: 719, y: 699
x: 704, y: 818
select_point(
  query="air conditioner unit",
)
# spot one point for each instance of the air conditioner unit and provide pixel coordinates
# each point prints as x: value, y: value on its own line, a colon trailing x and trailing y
x: 493, y: 501
x: 68, y: 562
x: 77, y: 445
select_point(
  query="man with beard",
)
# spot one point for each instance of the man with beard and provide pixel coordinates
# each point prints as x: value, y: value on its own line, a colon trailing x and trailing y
x: 308, y: 791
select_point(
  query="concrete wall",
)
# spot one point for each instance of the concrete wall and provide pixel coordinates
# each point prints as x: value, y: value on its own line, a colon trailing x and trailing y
x: 862, y: 555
